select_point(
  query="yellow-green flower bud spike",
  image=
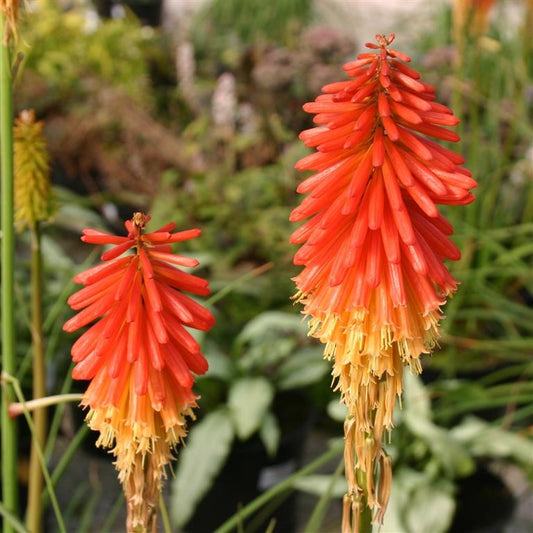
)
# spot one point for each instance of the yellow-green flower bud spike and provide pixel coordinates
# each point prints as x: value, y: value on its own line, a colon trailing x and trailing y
x: 33, y: 195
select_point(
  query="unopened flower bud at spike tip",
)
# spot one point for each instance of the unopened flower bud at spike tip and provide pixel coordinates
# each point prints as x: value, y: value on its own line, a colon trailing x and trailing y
x: 138, y: 356
x: 372, y: 240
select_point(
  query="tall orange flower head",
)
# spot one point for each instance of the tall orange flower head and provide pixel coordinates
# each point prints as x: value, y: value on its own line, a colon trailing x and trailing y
x: 374, y: 242
x: 138, y: 355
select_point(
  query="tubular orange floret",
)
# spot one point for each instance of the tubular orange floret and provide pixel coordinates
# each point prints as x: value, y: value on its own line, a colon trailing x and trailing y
x: 373, y: 278
x: 139, y: 358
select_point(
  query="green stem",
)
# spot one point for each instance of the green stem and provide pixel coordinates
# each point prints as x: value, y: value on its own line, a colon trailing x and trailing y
x: 12, y: 520
x: 365, y: 518
x: 167, y: 528
x: 49, y: 485
x: 286, y: 484
x: 34, y: 513
x: 8, y: 426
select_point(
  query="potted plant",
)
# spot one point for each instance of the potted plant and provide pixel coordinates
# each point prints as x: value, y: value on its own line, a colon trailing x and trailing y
x: 255, y: 419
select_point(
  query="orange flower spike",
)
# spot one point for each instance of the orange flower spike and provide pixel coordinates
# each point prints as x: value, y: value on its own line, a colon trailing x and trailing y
x: 137, y: 354
x: 373, y: 247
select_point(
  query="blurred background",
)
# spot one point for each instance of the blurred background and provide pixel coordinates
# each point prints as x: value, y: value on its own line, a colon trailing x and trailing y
x: 191, y: 110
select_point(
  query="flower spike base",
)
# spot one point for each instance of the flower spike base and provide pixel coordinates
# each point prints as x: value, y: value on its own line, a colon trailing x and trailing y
x: 374, y: 243
x: 138, y: 356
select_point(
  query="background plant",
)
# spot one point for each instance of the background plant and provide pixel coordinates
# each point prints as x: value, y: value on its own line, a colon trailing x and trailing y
x: 123, y: 135
x: 244, y: 395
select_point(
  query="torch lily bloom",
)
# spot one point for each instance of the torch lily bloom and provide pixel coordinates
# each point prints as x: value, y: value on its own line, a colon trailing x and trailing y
x: 373, y: 245
x: 138, y: 355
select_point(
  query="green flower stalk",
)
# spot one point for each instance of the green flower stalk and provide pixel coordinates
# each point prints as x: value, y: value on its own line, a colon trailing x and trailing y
x: 8, y: 12
x: 33, y: 204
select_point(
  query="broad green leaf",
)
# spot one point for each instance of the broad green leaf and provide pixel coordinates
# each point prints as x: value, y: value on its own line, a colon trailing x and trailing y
x: 304, y: 367
x: 268, y: 353
x: 271, y: 324
x: 319, y: 484
x: 337, y: 410
x: 404, y: 482
x: 270, y: 434
x: 485, y: 440
x: 431, y: 507
x: 434, y: 503
x: 53, y: 254
x: 453, y: 455
x: 220, y: 365
x: 415, y: 396
x: 249, y: 400
x: 199, y: 462
x: 268, y: 339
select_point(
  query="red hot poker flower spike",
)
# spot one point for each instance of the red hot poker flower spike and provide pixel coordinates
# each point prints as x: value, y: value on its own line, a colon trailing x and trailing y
x: 138, y: 356
x: 374, y: 242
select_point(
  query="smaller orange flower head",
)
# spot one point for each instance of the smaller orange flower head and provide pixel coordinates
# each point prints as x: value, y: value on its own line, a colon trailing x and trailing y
x: 138, y: 355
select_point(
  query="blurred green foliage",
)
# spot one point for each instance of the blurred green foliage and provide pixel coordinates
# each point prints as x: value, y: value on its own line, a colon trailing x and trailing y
x: 271, y: 356
x: 223, y: 22
x: 69, y: 48
x: 164, y: 151
x: 485, y: 358
x: 430, y: 460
